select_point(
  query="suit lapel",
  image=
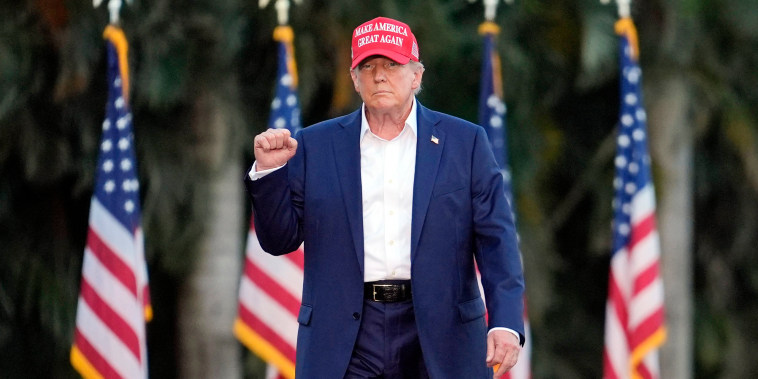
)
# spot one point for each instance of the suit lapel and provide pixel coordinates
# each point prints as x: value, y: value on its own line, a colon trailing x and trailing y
x: 347, y: 156
x: 429, y: 146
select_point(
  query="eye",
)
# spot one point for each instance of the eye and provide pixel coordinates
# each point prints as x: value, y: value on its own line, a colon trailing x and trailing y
x: 367, y: 66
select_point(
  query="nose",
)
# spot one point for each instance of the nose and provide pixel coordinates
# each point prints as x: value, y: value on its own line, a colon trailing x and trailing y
x: 380, y: 74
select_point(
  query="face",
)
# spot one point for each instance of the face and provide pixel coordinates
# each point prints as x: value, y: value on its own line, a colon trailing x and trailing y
x: 385, y: 85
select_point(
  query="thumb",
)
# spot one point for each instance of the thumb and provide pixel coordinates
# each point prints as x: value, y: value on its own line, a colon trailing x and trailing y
x: 490, y: 348
x: 292, y: 144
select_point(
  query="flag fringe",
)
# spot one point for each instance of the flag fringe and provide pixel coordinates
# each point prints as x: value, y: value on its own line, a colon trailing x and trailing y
x: 263, y: 349
x: 286, y: 35
x: 82, y: 365
x: 625, y: 27
x: 116, y: 36
x: 638, y: 354
x: 488, y: 27
x: 148, y: 313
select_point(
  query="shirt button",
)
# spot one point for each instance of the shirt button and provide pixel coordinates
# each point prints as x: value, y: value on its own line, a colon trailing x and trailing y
x: 393, y: 273
x: 392, y: 243
x: 356, y: 316
x: 392, y: 213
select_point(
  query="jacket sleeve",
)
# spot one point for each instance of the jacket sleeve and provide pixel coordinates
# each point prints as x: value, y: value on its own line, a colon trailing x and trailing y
x: 278, y: 205
x: 497, y: 253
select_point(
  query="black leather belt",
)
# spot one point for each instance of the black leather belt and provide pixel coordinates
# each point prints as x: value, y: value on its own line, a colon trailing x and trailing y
x: 387, y: 291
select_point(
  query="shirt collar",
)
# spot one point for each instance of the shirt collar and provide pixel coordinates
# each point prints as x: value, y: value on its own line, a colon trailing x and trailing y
x: 411, y: 121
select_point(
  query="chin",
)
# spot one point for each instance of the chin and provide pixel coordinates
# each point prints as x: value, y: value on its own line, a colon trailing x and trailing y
x: 383, y: 105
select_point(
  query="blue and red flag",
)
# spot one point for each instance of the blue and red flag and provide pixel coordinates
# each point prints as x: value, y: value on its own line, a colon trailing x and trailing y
x: 114, y: 302
x: 271, y: 287
x: 634, y: 325
x: 492, y: 117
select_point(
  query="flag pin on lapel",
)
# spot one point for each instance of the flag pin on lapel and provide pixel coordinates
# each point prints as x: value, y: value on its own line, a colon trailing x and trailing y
x: 435, y: 140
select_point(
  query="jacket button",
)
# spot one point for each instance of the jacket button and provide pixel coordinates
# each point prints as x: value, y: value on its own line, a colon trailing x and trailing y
x: 356, y: 316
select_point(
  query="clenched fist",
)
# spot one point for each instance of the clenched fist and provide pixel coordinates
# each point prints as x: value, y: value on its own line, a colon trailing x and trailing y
x: 273, y: 148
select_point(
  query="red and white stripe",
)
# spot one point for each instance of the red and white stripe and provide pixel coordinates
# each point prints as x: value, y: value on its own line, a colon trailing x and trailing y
x: 634, y: 313
x: 109, y: 339
x: 269, y: 302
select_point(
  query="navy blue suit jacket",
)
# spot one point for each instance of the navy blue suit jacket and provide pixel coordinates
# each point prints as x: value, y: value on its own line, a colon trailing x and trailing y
x: 459, y: 214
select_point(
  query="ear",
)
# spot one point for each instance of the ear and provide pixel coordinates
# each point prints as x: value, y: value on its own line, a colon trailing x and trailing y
x: 417, y: 75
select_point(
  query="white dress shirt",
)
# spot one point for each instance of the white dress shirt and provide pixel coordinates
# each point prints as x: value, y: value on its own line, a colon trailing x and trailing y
x: 387, y: 170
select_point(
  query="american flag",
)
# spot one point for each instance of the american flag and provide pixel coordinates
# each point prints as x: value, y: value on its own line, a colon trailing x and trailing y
x: 271, y: 287
x: 492, y: 112
x: 109, y: 340
x: 634, y: 326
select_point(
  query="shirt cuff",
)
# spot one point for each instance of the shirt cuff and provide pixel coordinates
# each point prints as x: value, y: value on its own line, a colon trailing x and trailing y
x: 255, y: 175
x: 515, y: 333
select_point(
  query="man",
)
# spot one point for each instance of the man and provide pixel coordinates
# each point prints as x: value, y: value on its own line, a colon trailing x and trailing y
x: 394, y: 202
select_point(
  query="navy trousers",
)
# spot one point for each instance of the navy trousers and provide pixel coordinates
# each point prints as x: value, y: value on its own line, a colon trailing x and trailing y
x: 387, y: 346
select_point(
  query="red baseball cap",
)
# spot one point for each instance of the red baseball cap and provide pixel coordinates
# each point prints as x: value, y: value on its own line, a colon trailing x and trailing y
x: 384, y: 36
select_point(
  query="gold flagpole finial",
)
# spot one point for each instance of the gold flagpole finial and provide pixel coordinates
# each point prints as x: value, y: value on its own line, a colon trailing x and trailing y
x: 282, y: 9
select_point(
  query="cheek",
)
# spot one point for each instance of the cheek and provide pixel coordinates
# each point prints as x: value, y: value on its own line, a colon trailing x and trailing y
x: 358, y: 86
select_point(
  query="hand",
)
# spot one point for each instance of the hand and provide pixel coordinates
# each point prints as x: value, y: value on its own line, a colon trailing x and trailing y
x: 273, y: 148
x: 502, y: 351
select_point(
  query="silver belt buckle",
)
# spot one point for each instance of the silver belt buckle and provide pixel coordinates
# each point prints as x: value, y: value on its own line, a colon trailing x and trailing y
x: 373, y: 286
